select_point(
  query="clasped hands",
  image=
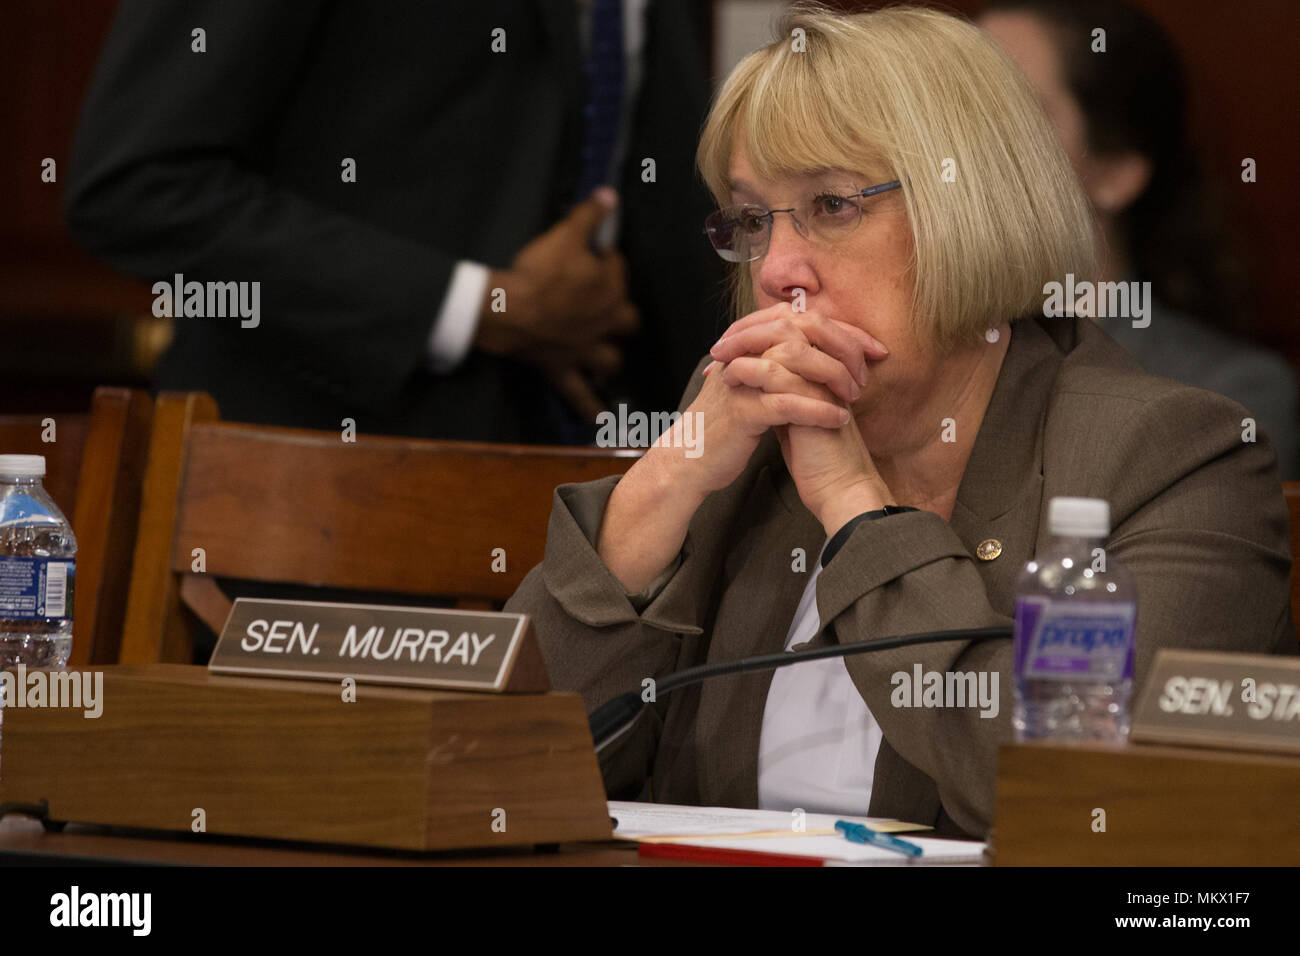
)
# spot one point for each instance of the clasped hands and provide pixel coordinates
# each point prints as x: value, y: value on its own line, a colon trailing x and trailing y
x: 797, y: 373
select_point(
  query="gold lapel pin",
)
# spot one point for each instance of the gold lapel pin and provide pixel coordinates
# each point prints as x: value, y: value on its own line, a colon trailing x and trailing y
x: 988, y: 549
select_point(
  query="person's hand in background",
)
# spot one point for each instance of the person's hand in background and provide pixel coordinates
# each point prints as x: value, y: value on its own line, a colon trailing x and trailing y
x: 564, y: 304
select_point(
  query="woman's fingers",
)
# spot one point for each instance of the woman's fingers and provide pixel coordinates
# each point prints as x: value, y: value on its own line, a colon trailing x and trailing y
x: 786, y: 408
x: 835, y: 339
x: 869, y: 343
x: 816, y: 365
x: 758, y: 317
x: 787, y: 365
x: 768, y: 394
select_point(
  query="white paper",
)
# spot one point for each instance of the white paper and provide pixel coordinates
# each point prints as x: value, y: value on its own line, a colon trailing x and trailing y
x: 636, y: 820
x: 838, y: 851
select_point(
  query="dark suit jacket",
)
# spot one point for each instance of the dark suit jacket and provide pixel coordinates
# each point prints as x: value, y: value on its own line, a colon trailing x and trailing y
x: 1198, y: 517
x: 226, y: 166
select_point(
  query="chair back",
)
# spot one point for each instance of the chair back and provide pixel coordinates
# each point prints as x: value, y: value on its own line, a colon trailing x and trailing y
x: 463, y: 521
x: 94, y: 467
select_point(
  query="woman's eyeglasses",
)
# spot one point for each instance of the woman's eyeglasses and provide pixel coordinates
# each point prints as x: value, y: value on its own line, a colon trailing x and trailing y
x: 742, y: 233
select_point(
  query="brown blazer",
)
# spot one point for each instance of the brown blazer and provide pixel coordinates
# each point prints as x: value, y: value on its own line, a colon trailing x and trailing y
x: 1198, y: 517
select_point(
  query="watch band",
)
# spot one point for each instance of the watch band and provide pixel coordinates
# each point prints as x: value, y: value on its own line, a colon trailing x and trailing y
x: 841, y: 536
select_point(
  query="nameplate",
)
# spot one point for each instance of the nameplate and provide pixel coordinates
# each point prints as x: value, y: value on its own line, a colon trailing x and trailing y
x: 1239, y: 701
x: 381, y: 644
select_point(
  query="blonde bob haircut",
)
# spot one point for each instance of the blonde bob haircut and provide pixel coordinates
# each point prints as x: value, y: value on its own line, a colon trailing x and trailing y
x: 925, y: 98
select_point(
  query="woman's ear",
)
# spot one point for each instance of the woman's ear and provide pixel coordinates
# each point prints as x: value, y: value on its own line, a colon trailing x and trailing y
x: 1115, y: 182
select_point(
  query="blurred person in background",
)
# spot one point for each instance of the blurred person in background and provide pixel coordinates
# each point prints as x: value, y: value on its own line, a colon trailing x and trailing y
x: 480, y: 137
x: 1122, y: 117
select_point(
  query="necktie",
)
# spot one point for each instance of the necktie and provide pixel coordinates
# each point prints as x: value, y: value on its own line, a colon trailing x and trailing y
x: 604, y: 100
x: 602, y: 111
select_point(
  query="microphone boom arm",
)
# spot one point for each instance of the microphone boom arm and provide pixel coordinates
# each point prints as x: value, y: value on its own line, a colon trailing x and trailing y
x: 612, y: 719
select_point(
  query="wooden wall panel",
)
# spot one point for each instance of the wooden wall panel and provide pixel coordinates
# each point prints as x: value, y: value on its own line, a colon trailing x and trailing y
x: 48, y: 50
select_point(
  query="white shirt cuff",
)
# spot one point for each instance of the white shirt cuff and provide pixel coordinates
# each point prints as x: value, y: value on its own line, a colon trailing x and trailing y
x: 457, y: 321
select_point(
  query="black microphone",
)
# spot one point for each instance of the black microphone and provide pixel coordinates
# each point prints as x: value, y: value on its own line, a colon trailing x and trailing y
x: 611, y: 719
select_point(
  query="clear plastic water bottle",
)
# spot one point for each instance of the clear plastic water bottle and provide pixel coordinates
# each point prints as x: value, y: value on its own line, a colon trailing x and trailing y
x: 1075, y: 632
x: 37, y: 568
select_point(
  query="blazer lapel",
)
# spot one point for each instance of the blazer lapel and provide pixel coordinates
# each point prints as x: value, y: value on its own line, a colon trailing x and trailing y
x: 999, y: 500
x: 762, y: 587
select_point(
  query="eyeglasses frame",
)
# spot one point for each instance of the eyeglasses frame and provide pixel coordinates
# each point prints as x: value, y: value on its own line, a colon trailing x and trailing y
x: 771, y: 213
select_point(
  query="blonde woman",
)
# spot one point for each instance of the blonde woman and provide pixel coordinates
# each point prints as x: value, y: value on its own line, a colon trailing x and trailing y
x: 882, y: 428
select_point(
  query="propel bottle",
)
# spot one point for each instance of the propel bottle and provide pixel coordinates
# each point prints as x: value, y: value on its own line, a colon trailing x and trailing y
x: 1076, y: 616
x: 37, y: 568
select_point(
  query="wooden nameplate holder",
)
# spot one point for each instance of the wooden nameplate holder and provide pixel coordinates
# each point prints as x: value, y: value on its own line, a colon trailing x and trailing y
x: 1224, y: 794
x: 285, y: 759
x: 1164, y: 806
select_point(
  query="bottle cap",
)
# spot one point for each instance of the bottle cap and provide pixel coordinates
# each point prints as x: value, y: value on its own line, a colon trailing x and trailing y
x: 22, y: 466
x: 1079, y: 517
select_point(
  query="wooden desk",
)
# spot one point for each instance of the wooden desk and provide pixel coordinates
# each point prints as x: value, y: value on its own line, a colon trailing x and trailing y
x: 1163, y: 806
x: 23, y: 841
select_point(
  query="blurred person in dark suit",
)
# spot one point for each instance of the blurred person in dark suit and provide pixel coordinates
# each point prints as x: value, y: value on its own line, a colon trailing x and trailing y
x: 1122, y: 116
x: 394, y: 175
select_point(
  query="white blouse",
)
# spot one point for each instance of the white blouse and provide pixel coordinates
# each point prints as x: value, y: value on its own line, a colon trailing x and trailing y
x: 818, y: 744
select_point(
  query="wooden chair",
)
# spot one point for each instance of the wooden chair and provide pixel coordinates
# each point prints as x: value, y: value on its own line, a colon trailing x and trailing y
x: 93, y: 471
x: 398, y: 515
x: 1292, y: 491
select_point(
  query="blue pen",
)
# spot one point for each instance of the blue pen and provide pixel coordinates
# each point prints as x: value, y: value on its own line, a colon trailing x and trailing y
x: 860, y: 834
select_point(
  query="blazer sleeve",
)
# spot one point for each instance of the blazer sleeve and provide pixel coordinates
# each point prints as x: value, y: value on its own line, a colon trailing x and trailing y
x: 165, y: 178
x: 1198, y: 519
x: 593, y: 638
x: 599, y: 640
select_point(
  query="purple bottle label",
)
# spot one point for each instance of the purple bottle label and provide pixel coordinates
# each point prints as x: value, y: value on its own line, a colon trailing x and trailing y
x: 1069, y: 640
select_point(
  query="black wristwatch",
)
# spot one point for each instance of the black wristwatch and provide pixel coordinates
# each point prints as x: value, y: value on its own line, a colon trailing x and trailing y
x: 842, y: 535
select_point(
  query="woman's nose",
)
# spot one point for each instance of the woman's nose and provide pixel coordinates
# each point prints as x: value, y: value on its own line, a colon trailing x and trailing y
x: 787, y: 264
